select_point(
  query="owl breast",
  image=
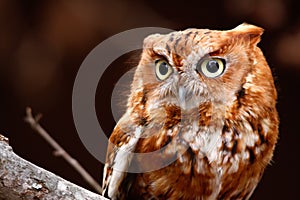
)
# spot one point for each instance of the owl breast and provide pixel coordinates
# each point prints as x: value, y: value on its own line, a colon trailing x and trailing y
x: 211, y: 154
x: 201, y: 121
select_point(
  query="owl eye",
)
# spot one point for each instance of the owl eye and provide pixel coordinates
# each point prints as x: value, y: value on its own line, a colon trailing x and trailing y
x: 211, y: 67
x: 162, y: 69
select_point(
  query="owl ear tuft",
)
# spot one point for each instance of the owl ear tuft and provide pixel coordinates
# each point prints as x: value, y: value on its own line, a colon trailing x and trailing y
x: 150, y: 39
x: 248, y: 32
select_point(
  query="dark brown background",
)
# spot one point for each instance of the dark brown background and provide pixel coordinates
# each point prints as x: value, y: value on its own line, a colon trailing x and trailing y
x: 43, y: 43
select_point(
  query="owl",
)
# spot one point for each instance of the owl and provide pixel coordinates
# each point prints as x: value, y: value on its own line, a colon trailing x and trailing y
x: 201, y: 119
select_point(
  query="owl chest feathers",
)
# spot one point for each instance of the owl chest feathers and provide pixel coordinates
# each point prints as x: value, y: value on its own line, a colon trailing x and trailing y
x: 209, y: 147
x: 202, y: 133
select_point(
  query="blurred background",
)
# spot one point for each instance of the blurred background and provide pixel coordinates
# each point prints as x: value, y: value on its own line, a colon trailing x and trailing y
x: 43, y: 43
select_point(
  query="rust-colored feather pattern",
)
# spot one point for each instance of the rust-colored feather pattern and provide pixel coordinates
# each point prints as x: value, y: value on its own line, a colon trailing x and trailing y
x: 204, y: 100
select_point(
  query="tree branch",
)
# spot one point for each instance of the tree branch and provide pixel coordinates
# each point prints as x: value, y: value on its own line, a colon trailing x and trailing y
x: 20, y: 179
x: 59, y: 151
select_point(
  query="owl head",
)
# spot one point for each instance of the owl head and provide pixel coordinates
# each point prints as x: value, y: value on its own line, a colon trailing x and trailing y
x: 191, y: 67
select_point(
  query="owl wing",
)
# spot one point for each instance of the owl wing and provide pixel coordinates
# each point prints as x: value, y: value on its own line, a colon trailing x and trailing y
x: 118, y: 158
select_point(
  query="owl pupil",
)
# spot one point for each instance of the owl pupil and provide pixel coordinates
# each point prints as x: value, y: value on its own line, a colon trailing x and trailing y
x: 163, y: 68
x: 212, y: 66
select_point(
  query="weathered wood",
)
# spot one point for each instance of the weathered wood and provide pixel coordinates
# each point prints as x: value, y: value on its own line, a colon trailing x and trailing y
x: 20, y: 179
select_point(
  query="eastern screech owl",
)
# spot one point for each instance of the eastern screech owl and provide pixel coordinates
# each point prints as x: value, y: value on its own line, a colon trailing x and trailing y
x: 205, y: 100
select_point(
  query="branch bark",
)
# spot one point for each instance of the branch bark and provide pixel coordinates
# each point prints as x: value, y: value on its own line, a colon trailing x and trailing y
x: 20, y: 179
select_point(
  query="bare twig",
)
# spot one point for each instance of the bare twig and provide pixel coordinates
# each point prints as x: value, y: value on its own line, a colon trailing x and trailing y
x: 59, y: 151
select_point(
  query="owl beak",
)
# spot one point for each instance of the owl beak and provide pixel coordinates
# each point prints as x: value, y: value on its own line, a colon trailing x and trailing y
x: 182, y: 96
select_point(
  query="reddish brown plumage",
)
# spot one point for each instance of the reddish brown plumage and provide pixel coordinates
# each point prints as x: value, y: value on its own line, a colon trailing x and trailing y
x: 219, y: 132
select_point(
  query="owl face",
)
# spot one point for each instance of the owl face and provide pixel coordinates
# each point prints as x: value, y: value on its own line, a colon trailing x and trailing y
x: 194, y: 66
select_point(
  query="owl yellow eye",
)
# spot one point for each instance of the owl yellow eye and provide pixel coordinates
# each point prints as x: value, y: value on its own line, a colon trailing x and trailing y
x: 162, y: 69
x: 211, y: 67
